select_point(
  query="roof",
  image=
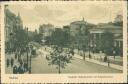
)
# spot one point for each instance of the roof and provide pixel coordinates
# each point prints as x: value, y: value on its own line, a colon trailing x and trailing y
x: 78, y: 22
x: 101, y: 30
x: 83, y: 22
x: 119, y: 37
x: 108, y: 26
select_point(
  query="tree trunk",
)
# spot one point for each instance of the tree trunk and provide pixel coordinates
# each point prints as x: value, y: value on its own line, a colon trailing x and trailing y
x: 89, y: 53
x: 84, y: 55
x: 30, y: 65
x: 89, y: 48
x: 108, y: 62
x: 59, y: 66
x: 59, y: 69
x: 27, y: 57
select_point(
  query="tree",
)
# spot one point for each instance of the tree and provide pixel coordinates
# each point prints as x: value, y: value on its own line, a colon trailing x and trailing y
x: 38, y: 38
x: 59, y: 57
x: 47, y: 40
x: 60, y: 38
x: 83, y: 39
x: 20, y: 40
x: 107, y: 44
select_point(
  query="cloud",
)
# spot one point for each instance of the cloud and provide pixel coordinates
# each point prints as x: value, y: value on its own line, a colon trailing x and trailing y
x: 47, y: 13
x: 62, y: 14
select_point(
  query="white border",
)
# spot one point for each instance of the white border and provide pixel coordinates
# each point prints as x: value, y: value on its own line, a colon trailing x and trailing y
x: 63, y: 78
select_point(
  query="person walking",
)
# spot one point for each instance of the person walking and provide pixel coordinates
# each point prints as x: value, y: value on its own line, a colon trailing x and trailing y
x: 8, y: 62
x: 16, y: 55
x: 21, y: 62
x: 20, y: 69
x: 12, y: 62
x: 15, y: 69
x: 25, y: 67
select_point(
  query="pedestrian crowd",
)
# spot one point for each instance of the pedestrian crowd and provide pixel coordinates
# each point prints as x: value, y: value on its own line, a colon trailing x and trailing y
x: 18, y: 62
x: 18, y: 65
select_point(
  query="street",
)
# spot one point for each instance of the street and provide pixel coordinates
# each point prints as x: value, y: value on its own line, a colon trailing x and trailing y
x: 40, y: 66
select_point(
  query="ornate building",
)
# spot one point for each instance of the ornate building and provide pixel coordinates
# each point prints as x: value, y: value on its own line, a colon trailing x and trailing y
x: 12, y: 24
x: 96, y: 32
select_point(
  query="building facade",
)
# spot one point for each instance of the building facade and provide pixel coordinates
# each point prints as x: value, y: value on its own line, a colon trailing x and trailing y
x: 12, y: 24
x: 96, y: 34
x: 46, y: 29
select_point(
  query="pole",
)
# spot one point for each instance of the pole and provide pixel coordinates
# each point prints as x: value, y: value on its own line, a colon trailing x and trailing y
x: 114, y: 54
x: 10, y: 45
x: 59, y: 64
x: 108, y: 62
x: 89, y: 46
x: 30, y: 65
x: 59, y: 67
x: 27, y: 57
x: 27, y: 48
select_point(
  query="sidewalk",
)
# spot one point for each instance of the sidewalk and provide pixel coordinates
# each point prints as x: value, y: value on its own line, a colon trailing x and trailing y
x: 94, y: 60
x: 9, y: 70
x: 100, y: 56
x: 100, y: 63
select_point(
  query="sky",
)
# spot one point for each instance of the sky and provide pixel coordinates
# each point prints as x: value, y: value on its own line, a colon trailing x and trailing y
x: 60, y: 14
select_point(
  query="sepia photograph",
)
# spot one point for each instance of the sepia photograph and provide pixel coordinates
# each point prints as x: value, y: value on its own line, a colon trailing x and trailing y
x: 58, y: 40
x: 63, y: 38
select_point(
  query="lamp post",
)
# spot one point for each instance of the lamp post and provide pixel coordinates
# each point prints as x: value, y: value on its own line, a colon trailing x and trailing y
x: 89, y: 47
x: 84, y: 52
x: 31, y: 59
x: 108, y: 62
x: 27, y: 56
x: 100, y: 55
x: 30, y: 65
x: 94, y: 51
x: 27, y: 48
x: 11, y: 38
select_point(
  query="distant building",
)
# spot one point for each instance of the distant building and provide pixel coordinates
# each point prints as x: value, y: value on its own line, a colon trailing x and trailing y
x: 78, y: 31
x: 82, y: 26
x: 76, y: 26
x: 46, y: 29
x: 66, y: 28
x: 98, y: 32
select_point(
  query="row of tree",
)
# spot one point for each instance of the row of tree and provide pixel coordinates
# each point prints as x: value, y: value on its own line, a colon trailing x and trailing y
x: 82, y: 41
x: 63, y: 45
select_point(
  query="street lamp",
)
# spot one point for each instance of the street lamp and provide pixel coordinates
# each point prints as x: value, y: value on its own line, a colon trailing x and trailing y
x: 27, y: 47
x: 89, y: 47
x: 108, y: 62
x: 100, y: 55
x: 27, y: 56
x: 31, y: 58
x: 94, y: 46
x: 30, y: 65
x: 11, y: 38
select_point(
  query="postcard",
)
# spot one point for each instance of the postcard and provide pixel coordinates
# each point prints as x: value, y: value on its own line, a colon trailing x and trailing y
x: 64, y: 42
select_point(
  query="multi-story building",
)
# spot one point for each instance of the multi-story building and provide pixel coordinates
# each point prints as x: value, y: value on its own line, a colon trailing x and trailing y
x: 76, y: 27
x: 12, y: 24
x: 96, y: 32
x: 46, y: 29
x: 78, y: 30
